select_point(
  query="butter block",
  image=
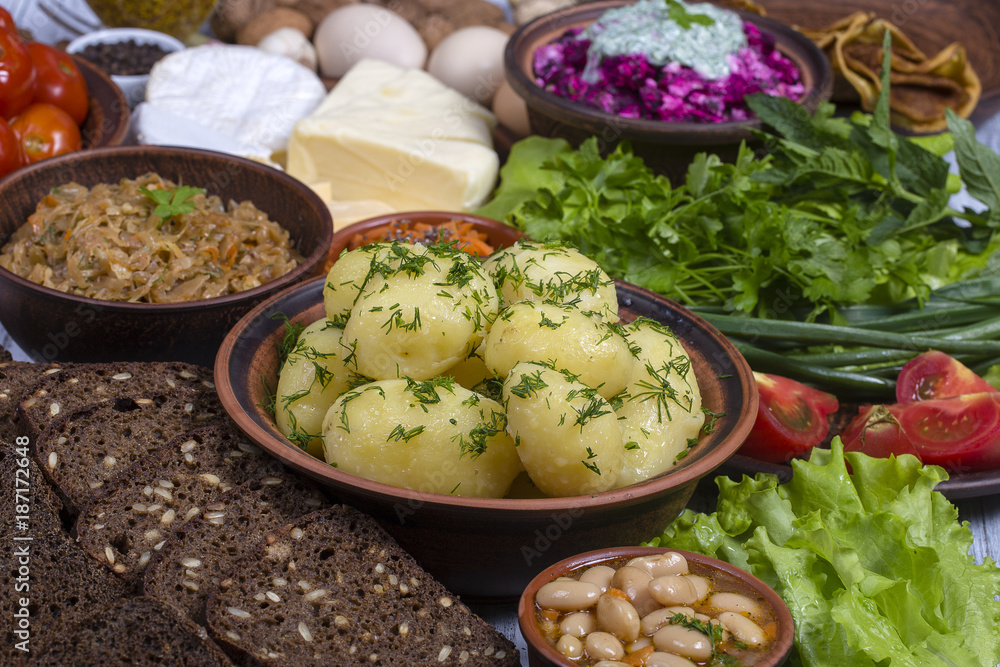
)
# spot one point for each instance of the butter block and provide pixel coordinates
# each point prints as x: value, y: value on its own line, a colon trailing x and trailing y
x: 397, y: 136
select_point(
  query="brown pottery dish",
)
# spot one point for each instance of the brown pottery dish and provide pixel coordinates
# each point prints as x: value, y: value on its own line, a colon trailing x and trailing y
x: 50, y: 325
x: 107, y: 122
x: 542, y: 654
x: 498, y: 234
x: 483, y: 548
x: 667, y: 147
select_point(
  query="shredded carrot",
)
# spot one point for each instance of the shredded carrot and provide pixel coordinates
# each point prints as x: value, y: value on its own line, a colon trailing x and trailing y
x: 465, y: 233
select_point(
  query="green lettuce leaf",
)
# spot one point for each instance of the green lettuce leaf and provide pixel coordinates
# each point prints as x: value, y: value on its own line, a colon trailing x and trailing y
x: 872, y: 562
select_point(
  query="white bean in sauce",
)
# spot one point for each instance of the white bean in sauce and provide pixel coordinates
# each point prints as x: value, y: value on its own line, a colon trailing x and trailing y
x: 654, y: 611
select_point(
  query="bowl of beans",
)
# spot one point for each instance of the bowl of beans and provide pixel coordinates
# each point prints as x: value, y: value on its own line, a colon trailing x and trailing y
x: 654, y: 607
x: 126, y: 54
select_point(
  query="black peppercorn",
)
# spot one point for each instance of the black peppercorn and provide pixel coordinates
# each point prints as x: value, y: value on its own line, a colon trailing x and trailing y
x: 124, y: 58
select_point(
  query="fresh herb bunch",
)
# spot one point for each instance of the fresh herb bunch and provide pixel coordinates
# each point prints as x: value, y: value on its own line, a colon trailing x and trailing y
x: 837, y: 211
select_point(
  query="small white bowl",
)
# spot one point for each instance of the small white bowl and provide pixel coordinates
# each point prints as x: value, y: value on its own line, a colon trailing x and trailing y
x: 134, y: 86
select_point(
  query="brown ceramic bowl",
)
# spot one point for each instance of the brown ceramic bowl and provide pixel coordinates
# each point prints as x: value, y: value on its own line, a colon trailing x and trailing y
x: 667, y: 147
x: 541, y: 653
x: 52, y: 325
x: 498, y: 234
x: 107, y: 122
x: 491, y: 548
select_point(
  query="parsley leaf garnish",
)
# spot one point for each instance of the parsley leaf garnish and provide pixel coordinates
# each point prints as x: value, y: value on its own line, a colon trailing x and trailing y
x: 171, y: 203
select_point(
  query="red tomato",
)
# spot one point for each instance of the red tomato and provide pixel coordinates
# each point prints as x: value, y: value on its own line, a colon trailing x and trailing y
x: 17, y: 75
x: 7, y: 22
x: 11, y: 153
x: 877, y: 432
x: 791, y: 419
x: 934, y: 374
x: 961, y: 433
x: 46, y: 130
x: 58, y: 81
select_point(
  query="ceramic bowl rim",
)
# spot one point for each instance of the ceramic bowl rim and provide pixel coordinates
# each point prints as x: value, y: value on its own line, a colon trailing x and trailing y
x: 681, y: 132
x: 526, y: 614
x: 664, y: 484
x: 306, y: 266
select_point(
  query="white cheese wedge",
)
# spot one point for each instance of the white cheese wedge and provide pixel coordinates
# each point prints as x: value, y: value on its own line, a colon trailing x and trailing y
x: 250, y: 97
x: 400, y: 137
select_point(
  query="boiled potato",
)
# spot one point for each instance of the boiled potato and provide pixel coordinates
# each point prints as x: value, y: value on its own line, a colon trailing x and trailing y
x: 529, y: 271
x: 563, y: 337
x: 361, y: 269
x: 421, y: 318
x: 432, y: 436
x: 469, y: 372
x: 312, y: 377
x: 661, y: 414
x: 567, y: 436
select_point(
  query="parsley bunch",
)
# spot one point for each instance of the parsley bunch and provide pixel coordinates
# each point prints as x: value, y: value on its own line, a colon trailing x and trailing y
x: 838, y: 211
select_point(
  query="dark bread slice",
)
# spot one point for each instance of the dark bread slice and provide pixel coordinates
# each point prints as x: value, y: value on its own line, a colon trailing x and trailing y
x: 60, y: 583
x: 84, y: 384
x: 16, y: 379
x: 141, y: 508
x: 84, y: 449
x: 24, y: 487
x: 134, y: 631
x: 198, y: 555
x: 5, y: 354
x: 335, y: 589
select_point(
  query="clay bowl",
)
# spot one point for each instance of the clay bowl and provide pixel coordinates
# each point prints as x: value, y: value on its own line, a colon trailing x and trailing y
x: 489, y: 549
x: 725, y: 577
x: 497, y: 234
x: 52, y: 325
x: 667, y: 147
x: 107, y: 122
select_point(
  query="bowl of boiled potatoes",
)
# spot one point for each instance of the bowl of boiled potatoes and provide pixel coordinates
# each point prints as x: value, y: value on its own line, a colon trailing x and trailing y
x: 496, y: 414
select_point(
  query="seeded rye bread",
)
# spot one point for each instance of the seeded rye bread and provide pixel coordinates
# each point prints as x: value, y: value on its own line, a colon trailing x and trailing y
x: 61, y: 584
x: 16, y: 378
x: 84, y: 449
x: 199, y: 554
x: 141, y: 507
x: 22, y: 481
x: 85, y: 384
x: 335, y: 589
x: 135, y: 631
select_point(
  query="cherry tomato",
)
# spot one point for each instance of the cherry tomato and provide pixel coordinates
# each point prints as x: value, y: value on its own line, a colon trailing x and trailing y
x: 934, y: 374
x: 17, y: 75
x: 58, y: 81
x: 876, y: 432
x: 7, y: 22
x: 11, y: 153
x: 46, y: 130
x: 960, y: 433
x: 791, y: 419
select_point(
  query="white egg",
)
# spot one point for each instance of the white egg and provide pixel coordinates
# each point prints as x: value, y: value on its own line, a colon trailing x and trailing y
x: 350, y: 33
x: 470, y: 60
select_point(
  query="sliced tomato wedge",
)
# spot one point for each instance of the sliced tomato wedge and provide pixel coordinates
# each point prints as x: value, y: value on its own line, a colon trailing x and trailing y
x: 960, y: 433
x: 791, y: 419
x: 934, y: 374
x: 876, y: 432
